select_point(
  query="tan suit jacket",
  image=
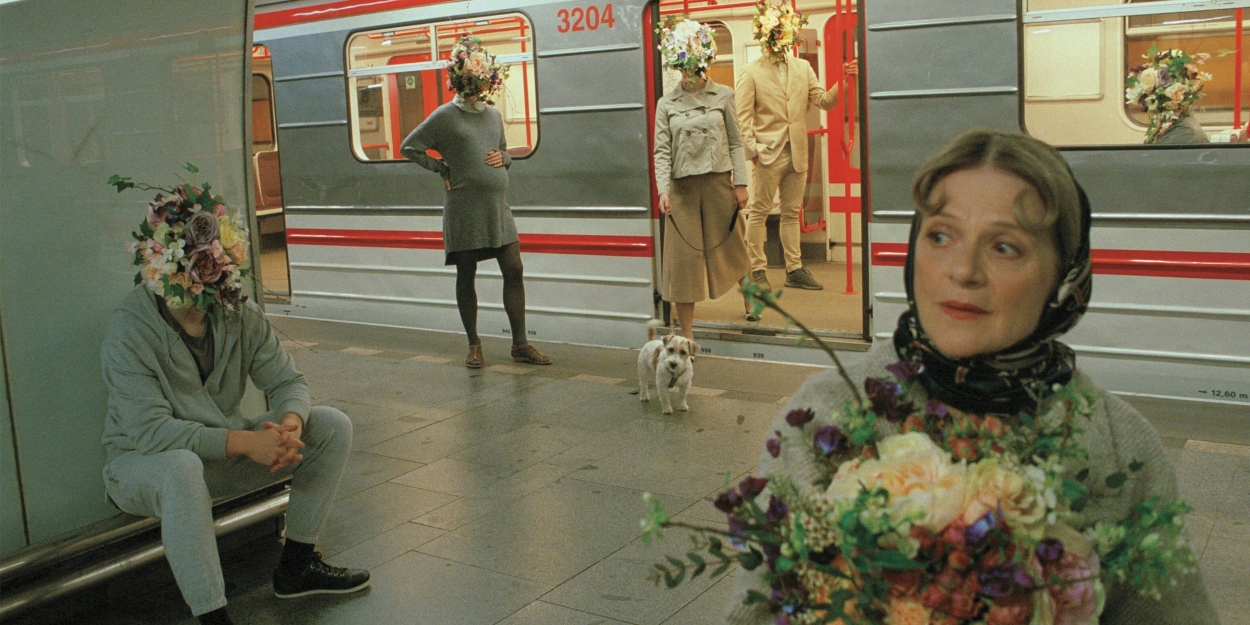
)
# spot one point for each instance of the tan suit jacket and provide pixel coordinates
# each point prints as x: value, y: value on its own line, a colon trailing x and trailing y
x: 771, y: 115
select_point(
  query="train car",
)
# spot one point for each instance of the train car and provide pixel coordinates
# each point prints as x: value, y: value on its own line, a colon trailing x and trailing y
x: 350, y: 79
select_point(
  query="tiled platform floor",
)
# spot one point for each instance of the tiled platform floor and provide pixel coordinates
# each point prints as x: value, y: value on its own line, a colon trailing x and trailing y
x: 512, y: 495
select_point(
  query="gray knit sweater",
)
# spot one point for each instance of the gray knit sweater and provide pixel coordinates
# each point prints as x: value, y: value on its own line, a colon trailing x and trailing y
x: 1117, y: 436
x: 476, y: 213
x: 156, y: 399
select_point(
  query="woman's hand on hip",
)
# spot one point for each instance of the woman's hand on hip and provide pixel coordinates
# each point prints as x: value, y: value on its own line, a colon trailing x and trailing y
x: 740, y: 194
x: 494, y: 158
x: 666, y: 206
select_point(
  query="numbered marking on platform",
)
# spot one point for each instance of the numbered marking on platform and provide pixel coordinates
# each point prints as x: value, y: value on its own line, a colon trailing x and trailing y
x: 1223, y: 393
x: 757, y: 355
x: 585, y: 18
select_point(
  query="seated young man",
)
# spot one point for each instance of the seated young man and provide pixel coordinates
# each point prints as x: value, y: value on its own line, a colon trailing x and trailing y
x: 176, y: 361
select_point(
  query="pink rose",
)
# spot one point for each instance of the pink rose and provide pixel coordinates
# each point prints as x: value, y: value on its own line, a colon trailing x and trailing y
x: 1075, y: 603
x: 201, y: 229
x: 203, y: 267
x: 1010, y: 611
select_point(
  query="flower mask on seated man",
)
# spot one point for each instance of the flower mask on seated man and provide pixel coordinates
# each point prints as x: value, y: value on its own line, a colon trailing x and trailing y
x: 1165, y: 87
x: 189, y: 250
x: 471, y: 71
x: 687, y: 46
x: 777, y: 27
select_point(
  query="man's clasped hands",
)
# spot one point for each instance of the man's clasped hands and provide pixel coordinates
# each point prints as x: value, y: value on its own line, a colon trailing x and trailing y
x: 275, y: 445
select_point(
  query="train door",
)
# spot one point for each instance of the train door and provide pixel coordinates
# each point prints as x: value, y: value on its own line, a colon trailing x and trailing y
x: 267, y: 181
x: 830, y: 227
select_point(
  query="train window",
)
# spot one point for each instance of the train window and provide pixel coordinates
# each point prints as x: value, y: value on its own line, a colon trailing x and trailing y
x: 396, y: 78
x: 1077, y: 58
x: 262, y: 114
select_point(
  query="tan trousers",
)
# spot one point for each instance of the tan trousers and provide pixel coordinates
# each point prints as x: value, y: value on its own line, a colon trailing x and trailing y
x: 778, y: 174
x: 703, y: 258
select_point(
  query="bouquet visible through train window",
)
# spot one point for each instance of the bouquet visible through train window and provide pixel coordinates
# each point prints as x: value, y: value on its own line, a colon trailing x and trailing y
x: 1088, y: 81
x: 397, y: 77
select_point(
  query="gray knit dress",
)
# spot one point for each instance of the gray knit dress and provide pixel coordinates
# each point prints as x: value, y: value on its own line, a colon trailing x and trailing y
x: 476, y: 217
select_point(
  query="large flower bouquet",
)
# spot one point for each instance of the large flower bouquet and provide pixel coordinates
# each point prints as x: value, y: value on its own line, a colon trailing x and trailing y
x: 1165, y: 87
x: 776, y: 26
x: 686, y: 46
x: 920, y: 514
x: 189, y: 249
x: 472, y: 71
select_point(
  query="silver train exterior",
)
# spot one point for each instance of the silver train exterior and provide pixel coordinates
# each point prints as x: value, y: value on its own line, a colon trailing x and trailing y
x: 1171, y: 310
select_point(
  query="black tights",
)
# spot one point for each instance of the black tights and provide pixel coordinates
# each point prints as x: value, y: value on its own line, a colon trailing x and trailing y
x: 513, y: 293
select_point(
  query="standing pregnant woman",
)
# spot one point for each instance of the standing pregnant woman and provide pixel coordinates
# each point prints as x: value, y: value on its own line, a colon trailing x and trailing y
x: 700, y: 174
x: 477, y: 223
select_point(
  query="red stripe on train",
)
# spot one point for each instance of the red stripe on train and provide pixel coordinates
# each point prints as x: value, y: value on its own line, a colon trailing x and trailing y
x: 333, y: 10
x: 1204, y: 265
x: 579, y: 244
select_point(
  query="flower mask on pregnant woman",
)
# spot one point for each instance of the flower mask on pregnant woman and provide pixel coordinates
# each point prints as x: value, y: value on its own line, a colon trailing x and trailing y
x: 472, y: 71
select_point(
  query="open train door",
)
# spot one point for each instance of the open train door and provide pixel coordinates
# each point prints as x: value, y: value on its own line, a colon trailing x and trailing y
x: 844, y: 153
x: 266, y: 181
x: 831, y: 231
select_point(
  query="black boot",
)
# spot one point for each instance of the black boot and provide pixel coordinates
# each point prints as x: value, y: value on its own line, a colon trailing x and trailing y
x: 317, y: 577
x: 217, y: 617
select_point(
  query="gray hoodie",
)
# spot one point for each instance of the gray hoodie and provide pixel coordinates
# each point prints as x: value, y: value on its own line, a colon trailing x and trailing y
x: 156, y: 400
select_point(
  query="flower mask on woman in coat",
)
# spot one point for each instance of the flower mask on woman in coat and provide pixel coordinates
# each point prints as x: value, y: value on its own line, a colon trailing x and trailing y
x: 687, y: 46
x: 189, y: 250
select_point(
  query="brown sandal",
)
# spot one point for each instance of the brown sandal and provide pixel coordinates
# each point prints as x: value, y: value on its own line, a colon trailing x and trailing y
x: 475, y: 359
x: 528, y: 353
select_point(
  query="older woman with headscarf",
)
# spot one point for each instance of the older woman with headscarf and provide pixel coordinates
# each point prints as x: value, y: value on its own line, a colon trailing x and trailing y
x: 997, y: 270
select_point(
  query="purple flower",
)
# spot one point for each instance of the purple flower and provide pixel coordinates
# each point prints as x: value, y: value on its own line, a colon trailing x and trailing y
x: 752, y: 486
x: 934, y: 408
x: 977, y: 535
x: 903, y: 370
x: 884, y: 397
x: 771, y: 553
x: 829, y: 439
x: 774, y: 447
x: 1050, y: 550
x: 777, y: 510
x: 1005, y: 580
x: 800, y: 417
x: 737, y: 532
x: 728, y: 501
x: 781, y: 619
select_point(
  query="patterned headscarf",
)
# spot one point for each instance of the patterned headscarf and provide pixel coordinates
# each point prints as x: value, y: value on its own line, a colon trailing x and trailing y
x: 1014, y: 379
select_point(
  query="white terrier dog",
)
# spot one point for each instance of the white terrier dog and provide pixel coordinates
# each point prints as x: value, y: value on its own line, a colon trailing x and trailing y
x: 668, y: 362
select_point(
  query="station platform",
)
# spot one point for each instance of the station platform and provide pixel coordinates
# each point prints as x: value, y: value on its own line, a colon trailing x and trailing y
x: 511, y: 495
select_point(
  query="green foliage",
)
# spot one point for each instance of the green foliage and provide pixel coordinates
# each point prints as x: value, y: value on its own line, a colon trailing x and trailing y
x: 1148, y: 549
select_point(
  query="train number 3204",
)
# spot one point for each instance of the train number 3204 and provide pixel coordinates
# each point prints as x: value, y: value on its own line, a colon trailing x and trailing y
x: 589, y: 18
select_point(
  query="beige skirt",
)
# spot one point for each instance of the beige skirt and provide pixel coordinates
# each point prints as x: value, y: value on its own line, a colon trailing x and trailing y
x: 703, y: 258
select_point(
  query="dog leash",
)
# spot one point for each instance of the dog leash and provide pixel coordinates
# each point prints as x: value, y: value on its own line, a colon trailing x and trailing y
x: 732, y: 223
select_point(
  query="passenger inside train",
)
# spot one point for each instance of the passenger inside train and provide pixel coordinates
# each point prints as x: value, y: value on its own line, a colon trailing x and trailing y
x: 180, y: 350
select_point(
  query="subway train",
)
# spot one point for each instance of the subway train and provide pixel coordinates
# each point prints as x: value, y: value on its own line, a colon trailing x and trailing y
x: 346, y: 230
x: 340, y: 84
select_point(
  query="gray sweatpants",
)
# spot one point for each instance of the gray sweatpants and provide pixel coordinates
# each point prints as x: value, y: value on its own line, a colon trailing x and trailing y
x: 179, y: 487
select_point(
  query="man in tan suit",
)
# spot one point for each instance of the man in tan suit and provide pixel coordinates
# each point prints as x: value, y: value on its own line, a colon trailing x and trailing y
x: 772, y: 96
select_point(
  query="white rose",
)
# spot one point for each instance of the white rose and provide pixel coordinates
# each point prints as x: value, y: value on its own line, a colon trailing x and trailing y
x: 1148, y: 79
